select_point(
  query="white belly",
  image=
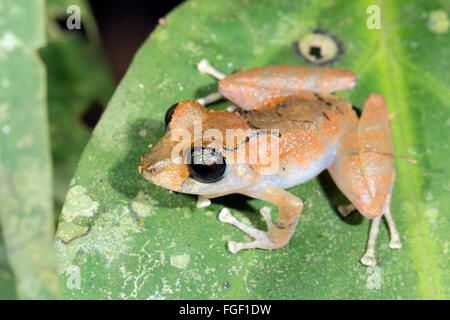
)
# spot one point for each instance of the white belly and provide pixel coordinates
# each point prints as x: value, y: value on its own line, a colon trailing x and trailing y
x: 296, y: 175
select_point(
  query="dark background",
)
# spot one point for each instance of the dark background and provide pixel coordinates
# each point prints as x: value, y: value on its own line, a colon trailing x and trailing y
x: 124, y: 25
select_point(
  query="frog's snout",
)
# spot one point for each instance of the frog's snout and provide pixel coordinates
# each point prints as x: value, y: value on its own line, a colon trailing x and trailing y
x: 143, y: 171
x: 148, y: 171
x: 165, y: 173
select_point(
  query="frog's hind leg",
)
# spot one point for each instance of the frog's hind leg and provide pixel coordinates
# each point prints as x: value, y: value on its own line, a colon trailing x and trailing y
x: 395, y: 242
x: 368, y: 258
x: 364, y: 168
x: 210, y: 98
x: 251, y: 88
x: 214, y: 97
x: 205, y: 67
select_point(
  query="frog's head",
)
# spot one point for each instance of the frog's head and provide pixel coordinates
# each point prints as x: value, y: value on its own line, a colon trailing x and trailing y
x: 191, y: 157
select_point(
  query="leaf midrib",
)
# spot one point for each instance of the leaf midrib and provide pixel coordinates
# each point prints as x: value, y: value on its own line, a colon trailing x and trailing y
x: 396, y: 93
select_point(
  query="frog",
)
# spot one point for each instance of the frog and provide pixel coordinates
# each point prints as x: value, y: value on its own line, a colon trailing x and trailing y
x: 312, y: 130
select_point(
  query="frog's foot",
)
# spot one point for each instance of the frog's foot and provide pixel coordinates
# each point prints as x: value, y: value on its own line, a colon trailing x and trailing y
x: 345, y: 210
x: 210, y: 98
x: 205, y: 67
x: 368, y: 258
x: 262, y: 239
x: 203, y: 202
x: 232, y: 108
x: 395, y: 242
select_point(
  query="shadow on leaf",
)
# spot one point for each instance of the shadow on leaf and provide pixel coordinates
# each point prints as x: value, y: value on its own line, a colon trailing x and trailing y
x: 336, y: 198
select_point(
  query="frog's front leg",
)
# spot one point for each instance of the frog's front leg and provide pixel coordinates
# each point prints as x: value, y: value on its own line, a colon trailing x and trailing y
x: 278, y: 234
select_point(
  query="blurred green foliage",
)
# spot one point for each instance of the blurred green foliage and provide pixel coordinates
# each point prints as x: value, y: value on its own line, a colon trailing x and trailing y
x: 77, y: 77
x: 26, y: 214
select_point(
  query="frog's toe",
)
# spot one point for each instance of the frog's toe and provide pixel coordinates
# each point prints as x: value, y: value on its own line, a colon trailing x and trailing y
x: 261, y: 243
x: 266, y: 214
x: 203, y: 202
x: 395, y: 243
x: 263, y: 240
x: 231, y: 108
x: 205, y: 67
x: 226, y: 216
x: 369, y: 259
x: 234, y: 246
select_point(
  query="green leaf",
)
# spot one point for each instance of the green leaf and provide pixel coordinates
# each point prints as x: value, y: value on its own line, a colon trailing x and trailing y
x: 25, y: 164
x: 131, y: 239
x: 7, y: 285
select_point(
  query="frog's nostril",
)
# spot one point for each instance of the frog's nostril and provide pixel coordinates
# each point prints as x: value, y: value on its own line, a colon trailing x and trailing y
x: 147, y: 173
x: 144, y: 171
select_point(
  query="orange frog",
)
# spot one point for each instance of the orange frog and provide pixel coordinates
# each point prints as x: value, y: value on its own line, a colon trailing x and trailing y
x: 214, y: 153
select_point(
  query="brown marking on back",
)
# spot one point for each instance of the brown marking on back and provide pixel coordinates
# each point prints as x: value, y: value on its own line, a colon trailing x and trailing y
x: 308, y: 126
x: 318, y: 97
x: 286, y: 114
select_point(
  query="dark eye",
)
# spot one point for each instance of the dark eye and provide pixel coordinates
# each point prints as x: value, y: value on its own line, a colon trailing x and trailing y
x: 169, y: 114
x: 206, y: 165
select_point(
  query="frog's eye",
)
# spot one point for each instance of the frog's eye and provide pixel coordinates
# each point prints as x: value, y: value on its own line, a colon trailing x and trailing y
x: 169, y: 113
x: 206, y: 165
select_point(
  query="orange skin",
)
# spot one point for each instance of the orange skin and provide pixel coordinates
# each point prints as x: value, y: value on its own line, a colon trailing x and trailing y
x: 316, y: 131
x: 251, y: 88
